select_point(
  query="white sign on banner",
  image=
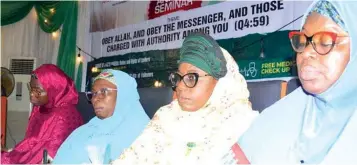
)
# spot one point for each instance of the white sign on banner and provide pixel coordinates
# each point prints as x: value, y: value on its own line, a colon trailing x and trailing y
x: 231, y: 19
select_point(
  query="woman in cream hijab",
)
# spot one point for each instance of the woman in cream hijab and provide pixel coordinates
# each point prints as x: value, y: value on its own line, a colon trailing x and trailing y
x: 210, y: 113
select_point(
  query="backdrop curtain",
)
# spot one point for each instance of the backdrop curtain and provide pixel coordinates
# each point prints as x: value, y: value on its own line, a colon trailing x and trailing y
x: 51, y: 16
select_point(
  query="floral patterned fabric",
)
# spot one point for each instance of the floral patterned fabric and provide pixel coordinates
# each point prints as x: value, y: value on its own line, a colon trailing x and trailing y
x: 326, y: 9
x: 175, y: 136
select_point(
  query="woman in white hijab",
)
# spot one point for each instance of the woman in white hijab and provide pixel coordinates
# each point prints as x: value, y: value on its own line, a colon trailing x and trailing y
x: 211, y: 112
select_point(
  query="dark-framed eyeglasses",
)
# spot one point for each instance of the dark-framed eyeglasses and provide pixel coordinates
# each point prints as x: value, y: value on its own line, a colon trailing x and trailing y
x: 322, y: 42
x: 102, y: 93
x: 36, y: 90
x: 189, y: 79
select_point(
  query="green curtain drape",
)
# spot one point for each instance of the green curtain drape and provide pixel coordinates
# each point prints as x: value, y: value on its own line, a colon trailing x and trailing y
x: 79, y: 76
x: 51, y: 16
x: 12, y: 12
x: 66, y: 58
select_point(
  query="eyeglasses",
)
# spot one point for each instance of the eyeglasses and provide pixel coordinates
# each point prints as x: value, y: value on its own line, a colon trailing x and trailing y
x: 189, y: 79
x: 322, y: 42
x: 36, y: 90
x: 102, y: 93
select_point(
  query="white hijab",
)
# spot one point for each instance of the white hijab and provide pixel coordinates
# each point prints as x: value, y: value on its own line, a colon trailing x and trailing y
x: 175, y: 136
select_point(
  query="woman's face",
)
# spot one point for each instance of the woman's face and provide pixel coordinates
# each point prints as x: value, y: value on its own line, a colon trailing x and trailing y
x: 319, y: 72
x: 38, y: 95
x: 104, y: 98
x: 192, y: 99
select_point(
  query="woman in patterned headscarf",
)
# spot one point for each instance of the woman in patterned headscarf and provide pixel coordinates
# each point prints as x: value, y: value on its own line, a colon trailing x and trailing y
x: 316, y: 123
x: 211, y: 111
x: 119, y: 119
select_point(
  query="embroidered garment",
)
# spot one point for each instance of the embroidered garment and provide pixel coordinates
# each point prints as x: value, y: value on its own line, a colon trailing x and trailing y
x: 49, y: 125
x: 175, y: 136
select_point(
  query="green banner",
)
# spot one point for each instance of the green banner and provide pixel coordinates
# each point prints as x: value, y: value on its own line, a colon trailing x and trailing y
x: 258, y: 56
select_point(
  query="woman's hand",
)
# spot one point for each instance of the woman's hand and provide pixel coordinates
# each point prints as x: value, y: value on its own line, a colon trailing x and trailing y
x: 6, y: 150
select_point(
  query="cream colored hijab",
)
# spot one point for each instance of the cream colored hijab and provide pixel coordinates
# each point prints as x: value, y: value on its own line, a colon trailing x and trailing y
x: 179, y: 137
